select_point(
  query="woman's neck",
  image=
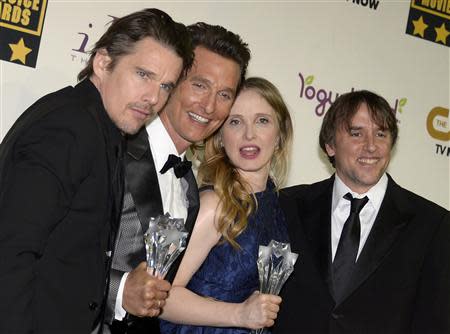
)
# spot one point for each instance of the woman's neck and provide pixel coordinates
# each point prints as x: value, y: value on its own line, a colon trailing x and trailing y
x: 257, y: 181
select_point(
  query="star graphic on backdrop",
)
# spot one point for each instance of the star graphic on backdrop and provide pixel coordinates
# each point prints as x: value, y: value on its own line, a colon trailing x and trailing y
x: 442, y: 34
x: 419, y: 27
x: 19, y: 51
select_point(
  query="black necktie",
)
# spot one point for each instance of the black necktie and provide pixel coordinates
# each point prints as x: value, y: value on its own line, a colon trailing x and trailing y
x: 180, y: 167
x: 345, y: 258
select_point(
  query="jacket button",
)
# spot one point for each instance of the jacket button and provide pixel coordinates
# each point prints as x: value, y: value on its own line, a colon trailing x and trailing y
x: 336, y: 316
x: 93, y: 306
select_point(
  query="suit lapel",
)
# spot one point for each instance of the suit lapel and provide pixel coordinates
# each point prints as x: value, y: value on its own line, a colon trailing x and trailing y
x: 142, y: 180
x: 113, y: 146
x: 290, y: 208
x: 316, y: 221
x: 194, y: 205
x: 388, y: 224
x: 193, y: 200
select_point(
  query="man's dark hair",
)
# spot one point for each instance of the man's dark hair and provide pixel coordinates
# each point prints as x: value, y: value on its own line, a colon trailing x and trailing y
x: 341, y: 113
x: 125, y: 32
x: 223, y: 42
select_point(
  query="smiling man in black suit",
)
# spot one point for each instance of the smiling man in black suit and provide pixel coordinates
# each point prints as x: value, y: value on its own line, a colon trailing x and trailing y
x: 197, y: 107
x: 375, y: 258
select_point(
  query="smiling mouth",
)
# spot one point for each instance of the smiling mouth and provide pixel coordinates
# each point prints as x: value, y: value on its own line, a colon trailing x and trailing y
x: 368, y: 161
x: 198, y: 118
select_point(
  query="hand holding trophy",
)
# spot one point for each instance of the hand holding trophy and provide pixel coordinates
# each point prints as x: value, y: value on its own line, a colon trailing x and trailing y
x: 164, y: 241
x: 275, y: 265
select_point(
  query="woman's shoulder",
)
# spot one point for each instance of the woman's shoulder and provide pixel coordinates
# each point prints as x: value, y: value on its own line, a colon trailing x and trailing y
x: 208, y: 197
x: 209, y: 207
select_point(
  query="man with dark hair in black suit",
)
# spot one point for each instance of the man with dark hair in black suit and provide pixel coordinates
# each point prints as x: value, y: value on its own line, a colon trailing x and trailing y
x: 61, y: 178
x: 374, y: 257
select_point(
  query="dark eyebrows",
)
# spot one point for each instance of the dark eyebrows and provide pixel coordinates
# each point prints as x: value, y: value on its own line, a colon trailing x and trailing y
x: 201, y: 79
x: 147, y: 72
x: 357, y: 128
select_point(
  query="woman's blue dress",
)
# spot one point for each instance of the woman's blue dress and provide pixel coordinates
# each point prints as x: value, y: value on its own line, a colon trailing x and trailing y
x: 231, y: 275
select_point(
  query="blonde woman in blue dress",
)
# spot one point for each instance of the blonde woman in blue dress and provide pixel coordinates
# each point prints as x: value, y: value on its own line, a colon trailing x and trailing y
x: 215, y: 290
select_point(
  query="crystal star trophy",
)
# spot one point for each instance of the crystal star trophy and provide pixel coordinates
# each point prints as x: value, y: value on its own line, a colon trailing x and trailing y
x: 164, y: 241
x: 275, y: 264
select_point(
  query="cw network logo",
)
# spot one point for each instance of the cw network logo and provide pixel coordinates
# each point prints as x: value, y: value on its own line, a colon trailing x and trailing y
x: 438, y: 128
x: 325, y: 97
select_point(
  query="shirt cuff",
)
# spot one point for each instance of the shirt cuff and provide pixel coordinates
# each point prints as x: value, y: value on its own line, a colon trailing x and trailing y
x: 119, y: 311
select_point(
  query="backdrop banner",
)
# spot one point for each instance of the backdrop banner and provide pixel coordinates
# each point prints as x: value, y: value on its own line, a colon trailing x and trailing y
x: 312, y: 50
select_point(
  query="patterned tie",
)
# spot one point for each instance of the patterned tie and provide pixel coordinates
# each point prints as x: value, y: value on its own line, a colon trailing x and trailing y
x: 180, y: 167
x: 345, y: 258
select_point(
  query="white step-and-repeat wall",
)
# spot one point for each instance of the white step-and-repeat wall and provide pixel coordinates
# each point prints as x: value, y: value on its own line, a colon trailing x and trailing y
x: 312, y: 50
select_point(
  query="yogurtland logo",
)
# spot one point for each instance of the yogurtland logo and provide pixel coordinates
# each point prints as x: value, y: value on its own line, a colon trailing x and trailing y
x: 325, y: 97
x: 438, y: 128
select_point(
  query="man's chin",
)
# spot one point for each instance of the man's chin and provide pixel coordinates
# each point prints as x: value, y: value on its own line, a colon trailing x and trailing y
x: 131, y: 129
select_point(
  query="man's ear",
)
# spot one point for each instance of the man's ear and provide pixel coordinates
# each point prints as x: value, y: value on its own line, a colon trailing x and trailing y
x: 330, y: 150
x: 101, y: 62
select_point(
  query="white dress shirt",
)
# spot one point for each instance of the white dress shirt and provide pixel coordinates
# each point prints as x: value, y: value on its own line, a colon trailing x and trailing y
x: 172, y: 189
x: 340, y: 210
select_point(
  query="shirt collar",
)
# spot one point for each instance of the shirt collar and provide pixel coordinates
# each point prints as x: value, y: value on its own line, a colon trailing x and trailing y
x: 161, y: 143
x: 375, y: 194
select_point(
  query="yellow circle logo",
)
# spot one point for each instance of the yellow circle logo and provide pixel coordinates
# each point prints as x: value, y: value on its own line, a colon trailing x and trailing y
x: 437, y: 124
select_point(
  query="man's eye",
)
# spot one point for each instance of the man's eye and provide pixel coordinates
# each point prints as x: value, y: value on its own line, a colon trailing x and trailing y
x: 167, y: 87
x: 142, y: 74
x: 234, y: 122
x: 225, y: 95
x: 198, y: 85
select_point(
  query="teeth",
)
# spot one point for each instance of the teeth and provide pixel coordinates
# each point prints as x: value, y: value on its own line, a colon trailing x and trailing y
x: 199, y: 118
x: 249, y: 149
x: 368, y: 161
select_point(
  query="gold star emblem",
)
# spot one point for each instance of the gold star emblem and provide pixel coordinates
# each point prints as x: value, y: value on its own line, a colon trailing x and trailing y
x: 441, y: 34
x: 19, y: 51
x: 419, y: 27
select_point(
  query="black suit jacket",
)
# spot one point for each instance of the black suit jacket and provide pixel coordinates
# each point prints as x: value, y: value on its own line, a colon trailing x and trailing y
x: 142, y: 183
x: 402, y: 280
x: 57, y: 209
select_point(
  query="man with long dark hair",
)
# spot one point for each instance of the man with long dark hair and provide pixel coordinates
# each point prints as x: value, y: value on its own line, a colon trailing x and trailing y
x: 61, y: 177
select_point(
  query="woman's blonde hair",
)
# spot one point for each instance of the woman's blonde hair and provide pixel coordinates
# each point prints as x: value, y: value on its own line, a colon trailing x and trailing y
x: 237, y: 201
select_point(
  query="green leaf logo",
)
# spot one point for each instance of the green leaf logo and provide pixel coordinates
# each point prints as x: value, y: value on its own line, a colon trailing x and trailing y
x: 402, y: 103
x: 309, y: 80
